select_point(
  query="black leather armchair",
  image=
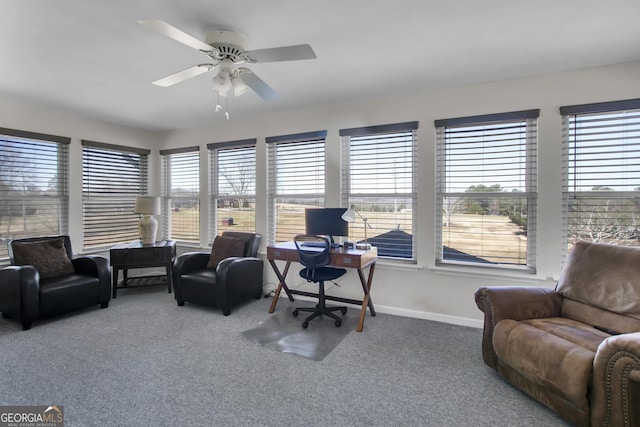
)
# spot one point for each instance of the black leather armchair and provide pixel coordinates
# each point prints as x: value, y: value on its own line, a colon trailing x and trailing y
x: 25, y: 296
x: 233, y: 281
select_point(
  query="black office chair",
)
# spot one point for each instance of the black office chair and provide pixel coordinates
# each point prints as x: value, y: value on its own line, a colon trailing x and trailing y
x: 315, y: 259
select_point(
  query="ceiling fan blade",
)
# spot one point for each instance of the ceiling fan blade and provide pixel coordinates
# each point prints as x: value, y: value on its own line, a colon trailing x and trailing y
x: 183, y: 75
x: 257, y: 85
x: 284, y: 53
x: 176, y: 34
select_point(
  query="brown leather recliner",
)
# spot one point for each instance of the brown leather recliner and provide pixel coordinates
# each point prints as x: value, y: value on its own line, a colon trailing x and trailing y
x: 234, y: 280
x: 27, y: 294
x: 576, y: 349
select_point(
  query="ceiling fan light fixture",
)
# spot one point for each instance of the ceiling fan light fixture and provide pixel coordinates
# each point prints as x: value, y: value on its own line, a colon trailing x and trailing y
x: 239, y: 87
x: 222, y: 82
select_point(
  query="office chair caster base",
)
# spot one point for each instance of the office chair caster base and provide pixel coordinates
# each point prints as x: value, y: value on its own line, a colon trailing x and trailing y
x: 338, y: 323
x: 295, y: 313
x: 305, y: 325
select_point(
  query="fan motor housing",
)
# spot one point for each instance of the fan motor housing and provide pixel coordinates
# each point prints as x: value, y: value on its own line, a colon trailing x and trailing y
x: 230, y: 44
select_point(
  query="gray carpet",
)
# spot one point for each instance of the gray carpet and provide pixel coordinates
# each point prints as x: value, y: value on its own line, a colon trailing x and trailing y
x: 144, y: 361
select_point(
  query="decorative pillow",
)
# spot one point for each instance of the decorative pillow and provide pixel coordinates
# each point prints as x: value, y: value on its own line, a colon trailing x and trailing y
x: 225, y: 247
x: 49, y: 257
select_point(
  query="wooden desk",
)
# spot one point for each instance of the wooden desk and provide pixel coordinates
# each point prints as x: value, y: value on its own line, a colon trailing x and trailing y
x: 136, y: 255
x: 346, y: 258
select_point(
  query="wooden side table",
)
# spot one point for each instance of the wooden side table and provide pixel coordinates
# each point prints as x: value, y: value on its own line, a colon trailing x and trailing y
x: 136, y: 255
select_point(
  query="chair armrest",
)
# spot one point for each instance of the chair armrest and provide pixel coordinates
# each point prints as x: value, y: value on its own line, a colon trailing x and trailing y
x: 96, y: 266
x: 184, y: 264
x: 91, y: 265
x: 20, y: 293
x: 239, y: 271
x: 237, y: 277
x: 190, y: 261
x: 512, y: 302
x: 616, y: 381
x: 518, y: 303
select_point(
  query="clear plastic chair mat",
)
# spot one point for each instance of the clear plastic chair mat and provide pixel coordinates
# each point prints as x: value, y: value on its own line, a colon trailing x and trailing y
x: 284, y: 332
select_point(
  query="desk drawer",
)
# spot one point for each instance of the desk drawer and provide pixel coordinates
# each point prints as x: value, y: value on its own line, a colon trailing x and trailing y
x: 132, y: 257
x: 344, y: 260
x: 280, y: 254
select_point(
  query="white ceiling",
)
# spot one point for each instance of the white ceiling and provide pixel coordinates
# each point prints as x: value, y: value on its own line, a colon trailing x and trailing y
x: 90, y: 57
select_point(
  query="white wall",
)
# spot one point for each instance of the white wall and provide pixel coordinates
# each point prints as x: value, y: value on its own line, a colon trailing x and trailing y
x: 422, y: 291
x: 440, y: 294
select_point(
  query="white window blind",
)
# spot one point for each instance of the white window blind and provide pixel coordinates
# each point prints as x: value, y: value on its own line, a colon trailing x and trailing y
x: 232, y: 201
x: 112, y: 177
x: 296, y: 170
x: 601, y: 173
x: 486, y: 190
x: 34, y: 193
x: 379, y: 179
x: 181, y: 194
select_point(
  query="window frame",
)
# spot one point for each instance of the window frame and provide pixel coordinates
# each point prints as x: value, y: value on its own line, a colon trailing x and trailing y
x: 94, y: 173
x: 528, y: 173
x: 594, y: 122
x: 275, y: 171
x: 215, y: 194
x: 36, y: 143
x: 360, y: 153
x: 167, y: 196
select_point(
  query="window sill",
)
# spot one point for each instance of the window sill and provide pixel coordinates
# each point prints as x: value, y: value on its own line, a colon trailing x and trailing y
x: 390, y: 265
x: 511, y: 276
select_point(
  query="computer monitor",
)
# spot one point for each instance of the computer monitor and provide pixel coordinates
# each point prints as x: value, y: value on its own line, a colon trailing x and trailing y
x: 326, y: 222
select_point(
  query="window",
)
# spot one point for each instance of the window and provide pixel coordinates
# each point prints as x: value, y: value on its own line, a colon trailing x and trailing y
x: 181, y: 194
x: 601, y: 173
x: 232, y: 202
x: 112, y: 177
x: 296, y: 182
x: 379, y: 173
x: 486, y: 190
x: 34, y: 193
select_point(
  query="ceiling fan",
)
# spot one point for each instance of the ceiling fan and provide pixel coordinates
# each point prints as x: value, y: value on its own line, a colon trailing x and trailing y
x: 226, y: 50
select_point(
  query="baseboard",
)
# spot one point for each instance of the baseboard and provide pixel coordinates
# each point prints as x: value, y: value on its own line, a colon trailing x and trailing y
x: 426, y: 315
